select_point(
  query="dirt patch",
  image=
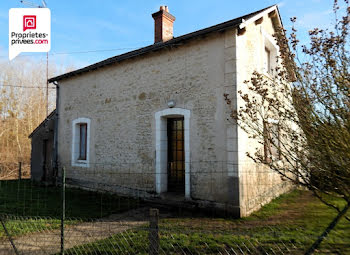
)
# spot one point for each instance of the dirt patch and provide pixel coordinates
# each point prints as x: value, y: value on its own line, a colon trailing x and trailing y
x: 49, y: 242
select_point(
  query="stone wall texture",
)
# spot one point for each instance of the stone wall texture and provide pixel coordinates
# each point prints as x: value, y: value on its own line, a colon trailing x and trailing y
x: 121, y: 101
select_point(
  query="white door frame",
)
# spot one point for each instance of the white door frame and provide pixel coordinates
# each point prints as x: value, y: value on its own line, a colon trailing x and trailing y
x: 162, y: 148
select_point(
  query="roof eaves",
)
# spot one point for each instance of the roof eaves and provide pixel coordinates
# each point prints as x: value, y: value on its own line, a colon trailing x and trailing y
x: 158, y: 46
x: 154, y: 47
x: 42, y: 123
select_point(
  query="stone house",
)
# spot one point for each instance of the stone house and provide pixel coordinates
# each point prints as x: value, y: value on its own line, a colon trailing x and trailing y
x: 154, y: 122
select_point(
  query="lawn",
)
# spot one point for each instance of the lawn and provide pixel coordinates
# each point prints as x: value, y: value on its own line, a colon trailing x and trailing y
x: 28, y: 207
x: 287, y: 225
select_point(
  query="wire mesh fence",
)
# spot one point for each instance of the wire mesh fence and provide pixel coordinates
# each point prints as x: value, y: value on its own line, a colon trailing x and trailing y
x: 11, y: 171
x: 91, y: 215
x: 135, y: 235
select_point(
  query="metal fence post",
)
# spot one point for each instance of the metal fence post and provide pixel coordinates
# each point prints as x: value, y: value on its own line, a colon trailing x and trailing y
x: 153, y: 232
x: 20, y: 171
x: 8, y: 235
x: 63, y: 208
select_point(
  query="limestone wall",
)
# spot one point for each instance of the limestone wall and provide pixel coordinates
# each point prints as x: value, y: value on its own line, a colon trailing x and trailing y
x: 258, y: 184
x: 121, y: 101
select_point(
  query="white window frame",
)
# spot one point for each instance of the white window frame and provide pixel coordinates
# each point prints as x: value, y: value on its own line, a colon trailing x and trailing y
x: 269, y: 43
x: 267, y: 60
x: 274, y: 122
x: 162, y: 148
x: 76, y: 142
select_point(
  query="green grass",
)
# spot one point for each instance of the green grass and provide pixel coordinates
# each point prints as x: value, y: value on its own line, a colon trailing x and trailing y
x: 26, y: 198
x: 27, y: 207
x: 289, y: 224
x: 292, y: 221
x: 21, y: 226
x: 276, y: 206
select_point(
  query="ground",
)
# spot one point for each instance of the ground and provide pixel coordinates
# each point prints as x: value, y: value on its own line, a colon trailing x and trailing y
x: 287, y: 225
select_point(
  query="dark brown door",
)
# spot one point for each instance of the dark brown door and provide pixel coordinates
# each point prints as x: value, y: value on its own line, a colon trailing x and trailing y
x: 47, y: 154
x: 176, y: 155
x: 44, y: 176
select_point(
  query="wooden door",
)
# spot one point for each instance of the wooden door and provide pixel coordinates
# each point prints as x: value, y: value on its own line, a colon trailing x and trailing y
x: 176, y: 155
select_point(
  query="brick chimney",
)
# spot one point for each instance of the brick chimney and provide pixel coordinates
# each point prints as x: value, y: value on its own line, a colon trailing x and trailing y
x: 163, y: 25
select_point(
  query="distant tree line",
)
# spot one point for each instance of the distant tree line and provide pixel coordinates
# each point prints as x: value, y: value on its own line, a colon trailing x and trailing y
x: 22, y: 108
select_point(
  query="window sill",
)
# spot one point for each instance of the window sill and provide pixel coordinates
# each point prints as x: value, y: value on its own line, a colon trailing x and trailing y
x: 274, y: 160
x: 81, y: 163
x: 268, y: 75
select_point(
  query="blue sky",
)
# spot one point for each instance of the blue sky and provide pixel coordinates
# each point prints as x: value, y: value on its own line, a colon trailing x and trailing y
x: 120, y: 26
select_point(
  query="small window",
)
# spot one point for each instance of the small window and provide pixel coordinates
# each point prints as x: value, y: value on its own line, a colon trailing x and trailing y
x: 267, y: 60
x: 270, y: 53
x: 82, y: 141
x: 271, y: 141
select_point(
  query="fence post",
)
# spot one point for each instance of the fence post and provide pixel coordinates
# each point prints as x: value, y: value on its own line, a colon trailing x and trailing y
x: 153, y: 232
x: 8, y: 235
x: 20, y: 171
x: 63, y: 215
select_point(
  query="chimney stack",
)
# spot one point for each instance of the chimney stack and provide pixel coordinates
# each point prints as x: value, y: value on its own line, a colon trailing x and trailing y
x: 163, y: 25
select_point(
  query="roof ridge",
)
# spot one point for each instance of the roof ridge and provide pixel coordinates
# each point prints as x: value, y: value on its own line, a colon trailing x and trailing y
x: 157, y: 46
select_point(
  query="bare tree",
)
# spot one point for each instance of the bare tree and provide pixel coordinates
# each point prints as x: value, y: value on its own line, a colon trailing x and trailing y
x: 22, y: 108
x: 300, y: 114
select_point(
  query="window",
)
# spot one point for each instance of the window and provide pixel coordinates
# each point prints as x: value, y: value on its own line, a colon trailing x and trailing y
x: 80, y: 142
x: 269, y: 53
x: 271, y: 141
x: 267, y: 61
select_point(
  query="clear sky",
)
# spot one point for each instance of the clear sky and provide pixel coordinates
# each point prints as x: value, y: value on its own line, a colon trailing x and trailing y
x: 116, y: 26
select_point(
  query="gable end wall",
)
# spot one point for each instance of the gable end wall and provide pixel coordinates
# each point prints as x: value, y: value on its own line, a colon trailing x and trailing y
x: 258, y: 184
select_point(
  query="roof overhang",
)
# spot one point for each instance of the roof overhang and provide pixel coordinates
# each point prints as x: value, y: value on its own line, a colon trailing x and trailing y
x: 49, y: 117
x: 272, y: 12
x: 177, y: 41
